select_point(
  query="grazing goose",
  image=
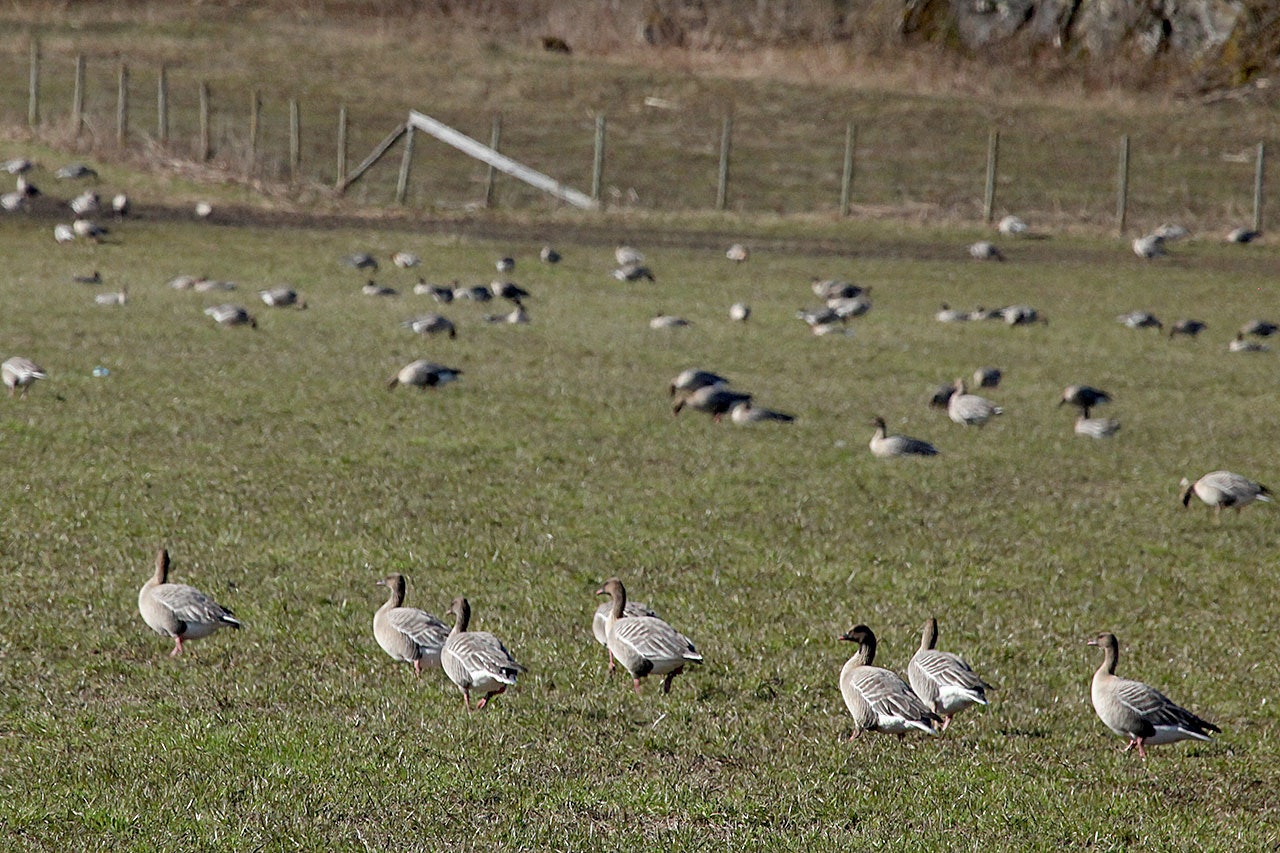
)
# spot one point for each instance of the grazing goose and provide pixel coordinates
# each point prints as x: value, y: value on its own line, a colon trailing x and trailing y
x: 633, y: 272
x: 947, y: 314
x: 119, y: 298
x: 1224, y: 489
x: 1012, y: 226
x: 1241, y: 345
x: 505, y: 264
x: 1242, y: 235
x: 834, y: 288
x: 743, y: 414
x: 75, y: 171
x: 94, y: 277
x: 739, y: 312
x: 887, y: 446
x: 1083, y: 397
x: 424, y: 374
x: 737, y: 253
x: 1096, y: 427
x: 878, y: 699
x: 1259, y: 328
x: 985, y: 251
x: 667, y: 321
x: 600, y: 622
x: 361, y: 261
x: 405, y: 260
x: 943, y: 681
x: 980, y: 313
x: 715, y: 400
x: 1140, y: 320
x: 281, y: 297
x: 89, y: 229
x: 1149, y: 247
x: 987, y: 377
x: 1022, y: 315
x: 549, y: 255
x: 942, y: 396
x: 20, y: 373
x: 406, y: 633
x: 515, y: 317
x: 443, y: 295
x: 476, y: 660
x: 644, y: 645
x: 627, y: 256
x: 229, y: 314
x: 86, y: 203
x: 693, y: 379
x: 212, y: 285
x: 120, y: 205
x: 846, y: 307
x: 185, y: 282
x: 26, y: 189
x: 1169, y: 232
x: 180, y: 611
x: 509, y: 291
x: 817, y: 317
x: 18, y: 166
x: 1187, y: 327
x: 432, y: 324
x: 478, y: 293
x: 970, y: 409
x: 1137, y: 711
x: 372, y: 288
x: 13, y: 201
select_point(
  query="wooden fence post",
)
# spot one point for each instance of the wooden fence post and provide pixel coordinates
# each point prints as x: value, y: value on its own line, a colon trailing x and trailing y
x: 1258, y: 173
x: 993, y: 159
x: 295, y: 140
x: 597, y: 162
x: 402, y: 185
x: 205, y: 151
x: 726, y: 142
x: 33, y: 85
x: 77, y: 97
x: 1122, y: 199
x: 162, y: 105
x: 342, y: 147
x: 846, y: 177
x: 122, y: 105
x: 255, y: 117
x: 495, y: 138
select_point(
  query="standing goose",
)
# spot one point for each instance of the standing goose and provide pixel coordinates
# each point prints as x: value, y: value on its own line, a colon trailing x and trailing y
x: 887, y: 446
x: 19, y: 372
x: 970, y: 409
x: 693, y: 379
x: 424, y: 374
x: 645, y: 645
x: 1138, y: 711
x: 1083, y: 397
x: 179, y: 611
x: 600, y: 622
x: 406, y: 633
x: 942, y: 680
x: 878, y: 699
x: 476, y: 660
x: 1096, y: 427
x: 1220, y: 489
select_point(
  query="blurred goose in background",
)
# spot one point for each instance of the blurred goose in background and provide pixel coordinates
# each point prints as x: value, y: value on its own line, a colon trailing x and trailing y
x: 88, y: 229
x: 75, y: 172
x: 1259, y: 328
x: 424, y: 374
x: 1150, y: 246
x: 1170, y: 232
x: 432, y: 324
x: 120, y: 206
x: 693, y: 379
x: 1022, y: 315
x: 185, y: 282
x: 1242, y: 235
x: 942, y: 395
x: 1096, y: 427
x: 947, y: 314
x: 372, y: 288
x: 627, y: 256
x: 549, y: 255
x: 1083, y: 397
x: 85, y: 204
x: 361, y: 261
x: 878, y: 699
x: 1239, y: 344
x: 644, y: 645
x: 978, y: 314
x: 212, y: 285
x: 834, y: 288
x: 405, y: 260
x: 1140, y: 320
x: 20, y: 373
x: 985, y: 251
x: 203, y: 210
x: 477, y: 293
x: 1011, y: 226
x: 443, y: 295
x: 476, y: 660
x: 715, y: 400
x: 505, y: 264
x: 93, y: 278
x: 667, y: 321
x: 121, y: 297
x: 180, y: 611
x: 406, y: 633
x: 945, y: 683
x: 847, y: 307
x: 517, y: 316
x: 281, y: 297
x: 18, y: 166
x: 26, y: 189
x: 970, y: 409
x: 509, y: 291
x: 737, y: 253
x: 1187, y: 327
x: 1220, y: 489
x: 739, y: 312
x: 13, y: 202
x: 987, y: 377
x: 600, y: 622
x: 1137, y: 711
x: 633, y: 272
x: 743, y: 413
x: 230, y: 314
x: 887, y: 446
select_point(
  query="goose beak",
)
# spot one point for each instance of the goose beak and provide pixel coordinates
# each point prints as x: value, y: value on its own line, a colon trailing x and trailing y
x: 1091, y: 643
x: 601, y: 591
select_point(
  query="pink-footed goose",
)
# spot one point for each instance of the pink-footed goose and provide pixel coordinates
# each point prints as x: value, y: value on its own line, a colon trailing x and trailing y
x: 406, y: 633
x: 887, y: 446
x: 942, y: 680
x: 970, y: 409
x: 20, y: 373
x: 476, y: 660
x: 1136, y: 711
x: 600, y: 622
x: 878, y: 699
x: 180, y: 611
x: 1220, y: 489
x: 644, y: 645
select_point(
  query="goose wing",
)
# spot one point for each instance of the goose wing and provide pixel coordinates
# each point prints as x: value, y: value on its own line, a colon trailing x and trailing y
x: 1155, y: 710
x: 482, y: 654
x: 887, y: 695
x: 420, y: 626
x: 192, y: 606
x: 947, y: 670
x: 653, y: 639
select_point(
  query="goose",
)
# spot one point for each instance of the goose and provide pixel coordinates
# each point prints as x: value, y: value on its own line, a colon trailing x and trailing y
x: 476, y: 660
x: 715, y: 400
x: 549, y: 255
x: 667, y: 321
x: 180, y: 611
x: 1022, y: 315
x: 89, y: 229
x: 693, y: 379
x: 443, y: 295
x: 1243, y: 235
x: 94, y: 277
x: 887, y: 446
x: 633, y: 272
x: 600, y: 622
x: 119, y: 298
x: 944, y: 682
x: 203, y: 210
x: 878, y: 699
x: 1259, y: 328
x: 816, y: 317
x: 1220, y: 489
x: 739, y: 312
x: 86, y: 203
x: 1012, y: 226
x: 981, y: 313
x: 281, y: 297
x: 505, y: 264
x: 432, y: 324
x: 627, y: 256
x: 1140, y: 320
x: 406, y: 633
x: 18, y: 166
x: 479, y: 293
x: 229, y: 314
x: 947, y: 314
x: 26, y: 189
x: 1169, y: 232
x: 1149, y: 247
x: 361, y: 261
x: 372, y: 288
x: 985, y: 251
x: 509, y: 291
x: 1187, y: 327
x: 987, y: 377
x: 942, y: 396
x: 212, y: 285
x: 1137, y: 711
x: 120, y: 205
x: 405, y: 260
x: 834, y: 288
x: 13, y: 201
x: 74, y: 172
x: 20, y: 373
x: 743, y: 414
x: 846, y: 307
x: 184, y: 282
x: 970, y: 409
x: 1239, y: 344
x: 737, y: 253
x: 1083, y: 397
x: 1096, y: 427
x: 424, y: 374
x: 644, y: 645
x: 517, y: 316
